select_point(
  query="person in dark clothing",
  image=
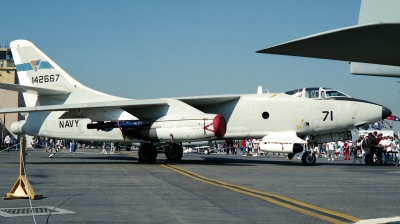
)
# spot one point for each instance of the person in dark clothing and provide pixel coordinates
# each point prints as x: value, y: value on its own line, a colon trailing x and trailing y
x: 367, y: 149
x: 371, y: 144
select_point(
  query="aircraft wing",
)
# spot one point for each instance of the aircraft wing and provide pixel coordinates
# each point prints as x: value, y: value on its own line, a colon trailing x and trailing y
x: 94, y: 105
x: 124, y: 104
x: 139, y: 108
x: 200, y: 101
x: 376, y: 43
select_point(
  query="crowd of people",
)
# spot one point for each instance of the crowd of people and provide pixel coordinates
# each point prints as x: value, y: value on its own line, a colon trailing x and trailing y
x: 51, y: 145
x: 373, y: 149
x: 244, y: 147
x: 376, y: 149
x: 115, y: 148
x: 55, y: 145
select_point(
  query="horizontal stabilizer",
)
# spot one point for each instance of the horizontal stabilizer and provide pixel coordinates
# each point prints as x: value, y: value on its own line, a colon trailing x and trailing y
x: 40, y: 91
x: 371, y: 43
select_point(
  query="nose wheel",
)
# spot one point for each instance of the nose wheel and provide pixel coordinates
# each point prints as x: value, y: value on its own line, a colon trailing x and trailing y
x: 308, y: 159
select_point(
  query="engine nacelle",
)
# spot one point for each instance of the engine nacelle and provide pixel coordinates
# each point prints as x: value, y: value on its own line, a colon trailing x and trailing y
x: 17, y: 127
x: 181, y: 128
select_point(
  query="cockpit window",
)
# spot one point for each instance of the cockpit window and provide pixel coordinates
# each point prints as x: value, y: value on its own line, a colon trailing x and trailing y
x: 312, y: 92
x: 316, y: 93
x: 334, y: 93
x: 295, y: 93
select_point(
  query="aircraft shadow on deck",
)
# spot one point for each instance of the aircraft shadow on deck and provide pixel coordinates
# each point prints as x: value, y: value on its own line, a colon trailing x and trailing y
x: 236, y: 160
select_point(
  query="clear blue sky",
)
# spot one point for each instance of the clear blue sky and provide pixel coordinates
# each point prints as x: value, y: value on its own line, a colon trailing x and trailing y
x: 150, y: 49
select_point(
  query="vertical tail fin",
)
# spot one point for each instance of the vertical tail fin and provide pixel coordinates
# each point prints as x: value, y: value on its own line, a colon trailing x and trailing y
x: 34, y: 68
x: 379, y: 11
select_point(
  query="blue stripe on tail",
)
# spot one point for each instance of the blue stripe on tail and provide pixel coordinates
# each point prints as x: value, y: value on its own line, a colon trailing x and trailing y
x: 28, y: 66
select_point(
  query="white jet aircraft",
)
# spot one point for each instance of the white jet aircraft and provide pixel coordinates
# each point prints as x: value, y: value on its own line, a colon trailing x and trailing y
x: 372, y: 46
x: 58, y: 106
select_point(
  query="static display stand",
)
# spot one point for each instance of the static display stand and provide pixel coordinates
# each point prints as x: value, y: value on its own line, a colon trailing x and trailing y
x: 22, y: 189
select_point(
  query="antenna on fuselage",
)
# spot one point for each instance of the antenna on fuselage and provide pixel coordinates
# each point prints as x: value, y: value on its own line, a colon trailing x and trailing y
x: 260, y: 90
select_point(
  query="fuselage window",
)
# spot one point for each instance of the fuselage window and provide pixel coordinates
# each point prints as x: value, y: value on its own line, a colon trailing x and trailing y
x: 265, y: 115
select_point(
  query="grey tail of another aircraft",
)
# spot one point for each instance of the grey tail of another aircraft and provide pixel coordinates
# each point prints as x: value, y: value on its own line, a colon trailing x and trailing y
x: 372, y: 46
x: 372, y: 12
x: 43, y: 82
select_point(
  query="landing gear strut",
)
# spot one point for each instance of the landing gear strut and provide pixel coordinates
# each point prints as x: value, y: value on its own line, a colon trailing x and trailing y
x: 147, y: 153
x: 308, y: 159
x: 174, y: 152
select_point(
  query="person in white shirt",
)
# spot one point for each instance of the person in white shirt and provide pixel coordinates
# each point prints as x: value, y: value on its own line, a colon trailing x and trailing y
x: 33, y: 143
x: 7, y: 141
x: 331, y: 150
x: 363, y: 146
x: 256, y: 146
x: 395, y: 146
x: 358, y: 147
x: 352, y: 149
x: 341, y: 147
x: 104, y: 149
x: 385, y: 144
x: 112, y: 150
x: 396, y: 149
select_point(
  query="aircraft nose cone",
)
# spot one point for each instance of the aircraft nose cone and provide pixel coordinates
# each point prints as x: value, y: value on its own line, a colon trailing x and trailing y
x: 386, y: 112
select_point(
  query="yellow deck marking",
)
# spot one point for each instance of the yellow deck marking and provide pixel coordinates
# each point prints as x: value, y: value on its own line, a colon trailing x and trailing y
x: 285, y: 201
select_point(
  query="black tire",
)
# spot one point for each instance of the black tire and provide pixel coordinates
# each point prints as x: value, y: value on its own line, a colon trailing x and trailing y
x: 308, y: 159
x: 174, y: 152
x: 147, y: 153
x: 290, y: 156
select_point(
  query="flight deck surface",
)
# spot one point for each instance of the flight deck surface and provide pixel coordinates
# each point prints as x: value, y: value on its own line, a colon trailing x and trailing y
x: 89, y: 187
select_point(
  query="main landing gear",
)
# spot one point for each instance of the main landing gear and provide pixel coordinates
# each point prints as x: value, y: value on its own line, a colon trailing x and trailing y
x: 148, y: 152
x: 290, y: 156
x: 174, y: 152
x: 308, y: 159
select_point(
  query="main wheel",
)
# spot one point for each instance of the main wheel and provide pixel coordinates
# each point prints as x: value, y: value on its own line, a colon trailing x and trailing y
x: 174, y: 152
x: 308, y: 159
x: 147, y: 153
